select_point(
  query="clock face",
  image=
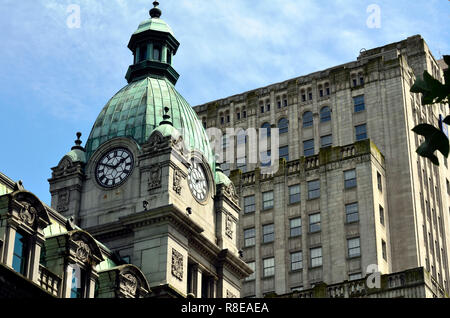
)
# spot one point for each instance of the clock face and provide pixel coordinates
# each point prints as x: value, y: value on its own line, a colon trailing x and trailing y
x: 197, y: 181
x: 114, y: 168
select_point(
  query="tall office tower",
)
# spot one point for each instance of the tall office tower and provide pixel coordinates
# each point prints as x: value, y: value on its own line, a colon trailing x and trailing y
x: 350, y: 192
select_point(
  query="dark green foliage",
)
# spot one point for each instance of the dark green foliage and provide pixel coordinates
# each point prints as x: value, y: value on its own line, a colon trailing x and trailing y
x: 433, y: 92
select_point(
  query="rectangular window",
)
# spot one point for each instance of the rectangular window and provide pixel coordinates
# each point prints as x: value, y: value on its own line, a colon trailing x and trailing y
x: 279, y: 104
x: 308, y: 148
x: 313, y: 189
x: 268, y: 107
x: 78, y: 283
x: 379, y: 181
x: 354, y: 247
x: 296, y: 261
x: 285, y: 103
x: 20, y: 254
x: 269, y: 267
x: 267, y: 200
x: 359, y: 103
x: 355, y: 276
x: 252, y: 265
x: 351, y: 213
x: 157, y: 53
x: 296, y: 227
x: 361, y: 132
x: 284, y: 152
x: 326, y: 141
x: 249, y: 204
x: 381, y: 215
x: 142, y: 53
x: 314, y: 223
x: 316, y: 257
x: 249, y: 237
x: 294, y: 194
x: 268, y: 233
x: 384, y: 249
x: 350, y: 179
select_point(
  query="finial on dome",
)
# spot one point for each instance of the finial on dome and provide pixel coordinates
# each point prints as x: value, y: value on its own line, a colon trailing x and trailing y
x: 78, y: 142
x: 155, y: 12
x: 166, y: 117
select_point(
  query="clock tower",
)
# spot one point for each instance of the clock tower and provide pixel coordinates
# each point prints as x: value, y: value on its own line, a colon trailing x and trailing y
x: 147, y: 184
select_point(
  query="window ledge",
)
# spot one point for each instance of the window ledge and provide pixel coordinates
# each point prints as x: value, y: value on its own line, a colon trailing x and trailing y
x: 295, y: 203
x: 266, y: 243
x: 296, y: 271
x: 350, y: 258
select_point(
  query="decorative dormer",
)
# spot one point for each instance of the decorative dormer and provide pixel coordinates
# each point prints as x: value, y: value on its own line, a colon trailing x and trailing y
x: 153, y: 46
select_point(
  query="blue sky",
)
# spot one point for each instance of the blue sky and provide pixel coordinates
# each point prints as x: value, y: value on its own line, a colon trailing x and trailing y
x: 54, y: 80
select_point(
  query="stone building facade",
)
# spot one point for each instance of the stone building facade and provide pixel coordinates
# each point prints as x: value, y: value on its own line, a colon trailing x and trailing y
x: 351, y: 191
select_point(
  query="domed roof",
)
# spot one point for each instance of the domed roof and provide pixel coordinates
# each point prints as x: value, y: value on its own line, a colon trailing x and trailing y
x: 154, y: 24
x: 77, y: 155
x: 138, y: 109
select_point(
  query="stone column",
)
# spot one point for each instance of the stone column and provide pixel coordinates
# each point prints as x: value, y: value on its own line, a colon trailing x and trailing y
x: 198, y: 282
x: 8, y: 248
x: 35, y: 257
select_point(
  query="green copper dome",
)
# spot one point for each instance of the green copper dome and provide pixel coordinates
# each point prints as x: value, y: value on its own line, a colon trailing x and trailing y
x: 154, y: 24
x: 138, y: 109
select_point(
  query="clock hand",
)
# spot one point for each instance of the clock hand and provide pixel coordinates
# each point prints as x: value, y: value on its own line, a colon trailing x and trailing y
x: 120, y: 162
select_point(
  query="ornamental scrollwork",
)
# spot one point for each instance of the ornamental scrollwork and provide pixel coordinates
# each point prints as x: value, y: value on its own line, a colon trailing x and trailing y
x: 177, y: 178
x: 83, y: 251
x: 129, y: 283
x: 27, y: 213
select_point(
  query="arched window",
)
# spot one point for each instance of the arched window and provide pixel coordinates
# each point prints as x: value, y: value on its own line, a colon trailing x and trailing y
x: 244, y: 113
x: 283, y: 125
x: 320, y: 91
x: 238, y: 114
x: 266, y: 129
x: 303, y: 95
x: 327, y: 89
x: 325, y: 114
x: 307, y: 119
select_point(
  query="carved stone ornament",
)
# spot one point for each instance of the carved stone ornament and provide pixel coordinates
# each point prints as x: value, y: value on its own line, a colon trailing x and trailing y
x: 177, y: 264
x: 63, y: 201
x: 230, y: 294
x: 156, y: 143
x: 179, y: 145
x: 230, y: 192
x: 129, y: 283
x: 154, y: 181
x: 229, y: 227
x: 177, y: 178
x: 83, y: 251
x: 27, y: 213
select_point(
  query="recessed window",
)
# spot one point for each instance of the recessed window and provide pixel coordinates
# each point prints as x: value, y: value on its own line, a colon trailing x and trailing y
x: 269, y: 267
x: 354, y: 247
x: 279, y: 103
x: 238, y: 116
x: 313, y: 189
x: 355, y: 276
x: 252, y: 266
x: 262, y: 109
x: 20, y: 254
x: 361, y: 132
x: 266, y: 160
x: 307, y: 119
x: 285, y: 102
x: 142, y: 53
x: 265, y: 130
x: 295, y: 227
x: 350, y: 179
x: 379, y: 181
x: 316, y: 257
x: 244, y: 114
x: 157, y: 53
x: 222, y: 120
x: 359, y: 104
x: 325, y: 114
x: 284, y: 152
x: 296, y: 261
x: 308, y: 148
x: 283, y: 125
x: 351, y: 213
x: 294, y: 194
x: 314, y: 223
x: 267, y: 200
x: 310, y: 96
x: 249, y: 237
x: 326, y: 141
x: 268, y: 107
x: 381, y: 215
x: 77, y: 287
x: 384, y: 249
x: 249, y: 204
x: 268, y: 233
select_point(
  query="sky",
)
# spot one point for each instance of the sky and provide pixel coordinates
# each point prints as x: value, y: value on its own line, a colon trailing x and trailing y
x: 56, y: 74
